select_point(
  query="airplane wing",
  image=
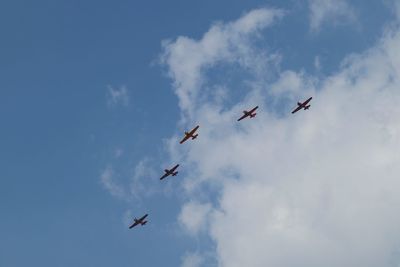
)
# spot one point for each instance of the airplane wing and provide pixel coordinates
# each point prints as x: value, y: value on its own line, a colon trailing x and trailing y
x: 134, y: 224
x: 174, y: 168
x: 306, y: 102
x: 144, y: 217
x: 164, y: 176
x: 194, y: 130
x: 254, y: 109
x: 187, y: 136
x: 244, y: 116
x: 297, y: 109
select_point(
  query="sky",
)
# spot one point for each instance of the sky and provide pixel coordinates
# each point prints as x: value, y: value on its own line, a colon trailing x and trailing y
x: 96, y: 95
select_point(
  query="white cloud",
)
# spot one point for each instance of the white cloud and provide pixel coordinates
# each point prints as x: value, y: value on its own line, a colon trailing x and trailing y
x: 107, y: 178
x: 192, y: 260
x: 127, y: 217
x: 132, y: 185
x: 222, y: 43
x: 144, y: 179
x: 194, y: 216
x: 317, y: 63
x: 292, y: 82
x: 318, y: 188
x: 332, y: 11
x: 116, y: 97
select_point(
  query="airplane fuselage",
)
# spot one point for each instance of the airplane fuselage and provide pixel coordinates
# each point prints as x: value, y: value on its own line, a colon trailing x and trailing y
x: 304, y: 105
x: 169, y: 172
x: 189, y: 135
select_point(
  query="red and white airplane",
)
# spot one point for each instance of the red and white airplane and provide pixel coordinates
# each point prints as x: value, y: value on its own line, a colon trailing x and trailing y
x: 190, y: 135
x: 170, y: 172
x: 250, y: 114
x: 303, y: 105
x: 140, y: 221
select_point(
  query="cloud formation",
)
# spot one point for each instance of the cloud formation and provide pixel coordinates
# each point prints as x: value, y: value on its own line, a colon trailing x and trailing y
x: 132, y: 184
x: 332, y: 11
x: 117, y: 96
x: 192, y: 260
x: 194, y: 216
x: 222, y: 43
x: 109, y: 182
x: 318, y: 188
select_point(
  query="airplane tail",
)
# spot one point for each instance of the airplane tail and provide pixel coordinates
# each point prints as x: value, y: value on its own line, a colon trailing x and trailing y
x: 253, y: 115
x: 307, y: 107
x: 175, y: 173
x: 194, y: 136
x: 143, y: 223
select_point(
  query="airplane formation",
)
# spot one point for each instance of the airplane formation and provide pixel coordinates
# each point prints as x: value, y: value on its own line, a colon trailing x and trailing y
x: 193, y: 135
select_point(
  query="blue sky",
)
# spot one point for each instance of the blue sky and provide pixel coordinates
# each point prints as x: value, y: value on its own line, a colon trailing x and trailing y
x: 60, y: 63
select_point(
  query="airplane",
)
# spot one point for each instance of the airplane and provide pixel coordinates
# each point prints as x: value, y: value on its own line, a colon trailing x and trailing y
x: 140, y: 221
x: 190, y: 135
x: 170, y: 172
x: 248, y: 113
x: 302, y: 105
